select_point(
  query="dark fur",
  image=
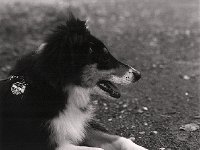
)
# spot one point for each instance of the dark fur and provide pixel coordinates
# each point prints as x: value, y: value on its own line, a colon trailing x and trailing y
x: 71, y: 56
x: 24, y: 118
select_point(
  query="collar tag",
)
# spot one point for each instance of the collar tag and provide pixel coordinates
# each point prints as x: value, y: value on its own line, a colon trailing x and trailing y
x: 18, y: 87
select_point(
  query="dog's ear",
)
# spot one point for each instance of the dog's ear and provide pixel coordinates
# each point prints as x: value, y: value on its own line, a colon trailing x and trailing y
x: 41, y: 47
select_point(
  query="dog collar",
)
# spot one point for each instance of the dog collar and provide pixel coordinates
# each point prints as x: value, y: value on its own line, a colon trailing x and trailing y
x: 19, y: 85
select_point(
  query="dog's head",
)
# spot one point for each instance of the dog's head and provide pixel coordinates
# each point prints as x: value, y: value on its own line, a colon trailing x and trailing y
x: 71, y: 55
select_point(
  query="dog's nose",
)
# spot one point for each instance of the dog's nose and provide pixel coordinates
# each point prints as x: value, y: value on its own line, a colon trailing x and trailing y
x: 137, y: 75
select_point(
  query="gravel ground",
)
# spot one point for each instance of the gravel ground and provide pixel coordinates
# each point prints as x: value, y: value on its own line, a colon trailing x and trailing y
x: 159, y: 38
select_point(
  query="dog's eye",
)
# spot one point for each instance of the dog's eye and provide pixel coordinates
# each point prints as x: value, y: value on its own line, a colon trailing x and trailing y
x: 90, y: 50
x: 92, y: 43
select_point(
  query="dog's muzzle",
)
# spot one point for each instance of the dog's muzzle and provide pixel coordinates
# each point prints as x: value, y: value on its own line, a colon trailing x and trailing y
x: 122, y: 75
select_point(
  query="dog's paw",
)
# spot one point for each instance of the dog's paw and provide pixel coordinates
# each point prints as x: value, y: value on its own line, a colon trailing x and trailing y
x: 127, y: 144
x: 97, y: 148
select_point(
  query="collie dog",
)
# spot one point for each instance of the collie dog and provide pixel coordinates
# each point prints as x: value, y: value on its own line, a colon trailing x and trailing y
x: 45, y: 103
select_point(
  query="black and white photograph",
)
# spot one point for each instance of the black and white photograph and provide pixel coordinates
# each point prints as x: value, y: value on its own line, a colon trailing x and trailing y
x: 99, y: 75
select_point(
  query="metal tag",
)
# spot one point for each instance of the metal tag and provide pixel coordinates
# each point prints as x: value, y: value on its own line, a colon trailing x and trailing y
x: 18, y: 88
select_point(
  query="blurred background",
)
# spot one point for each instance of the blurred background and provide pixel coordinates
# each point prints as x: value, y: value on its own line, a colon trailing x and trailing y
x: 158, y: 37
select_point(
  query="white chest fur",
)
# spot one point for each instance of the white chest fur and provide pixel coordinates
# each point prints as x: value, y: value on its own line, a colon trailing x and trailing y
x: 69, y: 125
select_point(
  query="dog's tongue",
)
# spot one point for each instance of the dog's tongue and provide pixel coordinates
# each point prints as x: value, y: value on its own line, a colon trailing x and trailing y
x: 110, y: 88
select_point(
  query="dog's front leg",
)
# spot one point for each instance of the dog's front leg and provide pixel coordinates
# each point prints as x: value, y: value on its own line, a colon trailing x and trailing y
x: 74, y: 147
x: 106, y: 141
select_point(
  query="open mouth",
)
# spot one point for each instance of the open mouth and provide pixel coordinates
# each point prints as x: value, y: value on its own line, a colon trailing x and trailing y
x: 109, y: 88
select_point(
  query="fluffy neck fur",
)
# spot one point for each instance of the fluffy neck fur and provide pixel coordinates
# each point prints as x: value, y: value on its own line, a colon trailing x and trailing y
x: 70, y: 124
